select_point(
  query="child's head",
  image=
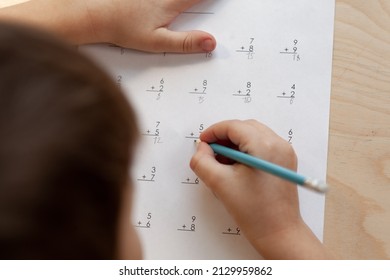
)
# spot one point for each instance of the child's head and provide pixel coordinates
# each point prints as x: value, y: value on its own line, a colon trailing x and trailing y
x: 66, y: 141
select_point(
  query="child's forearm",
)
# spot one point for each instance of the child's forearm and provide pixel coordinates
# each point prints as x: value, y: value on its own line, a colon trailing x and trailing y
x: 295, y: 243
x: 62, y: 17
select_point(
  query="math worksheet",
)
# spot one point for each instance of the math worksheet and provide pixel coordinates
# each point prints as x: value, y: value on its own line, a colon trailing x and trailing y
x: 272, y: 63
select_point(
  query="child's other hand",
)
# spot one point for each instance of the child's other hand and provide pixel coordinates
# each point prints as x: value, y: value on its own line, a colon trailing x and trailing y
x: 135, y: 24
x: 143, y: 25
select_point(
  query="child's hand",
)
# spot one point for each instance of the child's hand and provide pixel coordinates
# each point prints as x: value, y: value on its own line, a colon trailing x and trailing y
x: 265, y: 207
x: 260, y: 203
x: 136, y: 24
x: 143, y: 25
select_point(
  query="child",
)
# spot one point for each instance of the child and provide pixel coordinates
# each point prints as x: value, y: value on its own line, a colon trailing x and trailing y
x: 66, y: 140
x: 67, y: 136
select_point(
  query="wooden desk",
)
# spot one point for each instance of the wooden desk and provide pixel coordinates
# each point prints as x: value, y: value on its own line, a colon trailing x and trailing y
x: 357, y: 222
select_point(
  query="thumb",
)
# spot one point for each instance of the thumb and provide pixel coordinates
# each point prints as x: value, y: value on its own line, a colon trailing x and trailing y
x: 206, y: 167
x: 183, y: 42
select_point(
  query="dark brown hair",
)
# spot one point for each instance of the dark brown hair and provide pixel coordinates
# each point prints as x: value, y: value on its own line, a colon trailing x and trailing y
x: 66, y: 138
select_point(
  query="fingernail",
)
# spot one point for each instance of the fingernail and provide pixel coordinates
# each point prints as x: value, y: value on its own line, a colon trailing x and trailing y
x: 208, y: 45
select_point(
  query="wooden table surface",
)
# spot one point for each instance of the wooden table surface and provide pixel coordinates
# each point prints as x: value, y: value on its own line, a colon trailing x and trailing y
x: 357, y: 223
x: 357, y: 218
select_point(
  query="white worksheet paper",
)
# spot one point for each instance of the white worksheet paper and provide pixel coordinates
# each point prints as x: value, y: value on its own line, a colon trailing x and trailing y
x: 273, y: 64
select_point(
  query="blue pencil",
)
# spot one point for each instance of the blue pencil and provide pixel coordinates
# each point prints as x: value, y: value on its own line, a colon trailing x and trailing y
x: 271, y: 168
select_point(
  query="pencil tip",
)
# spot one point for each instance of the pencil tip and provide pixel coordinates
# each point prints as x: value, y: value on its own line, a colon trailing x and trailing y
x: 317, y: 185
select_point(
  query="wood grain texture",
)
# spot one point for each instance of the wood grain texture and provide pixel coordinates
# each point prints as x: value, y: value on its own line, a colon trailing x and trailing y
x: 357, y: 218
x: 358, y: 207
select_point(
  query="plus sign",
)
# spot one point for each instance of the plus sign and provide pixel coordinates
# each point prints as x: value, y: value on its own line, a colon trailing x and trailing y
x: 184, y: 226
x: 286, y: 49
x: 139, y: 223
x: 229, y: 229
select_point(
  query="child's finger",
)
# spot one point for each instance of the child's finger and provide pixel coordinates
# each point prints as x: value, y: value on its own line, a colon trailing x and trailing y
x: 206, y: 167
x: 180, y: 5
x: 240, y: 133
x: 183, y: 42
